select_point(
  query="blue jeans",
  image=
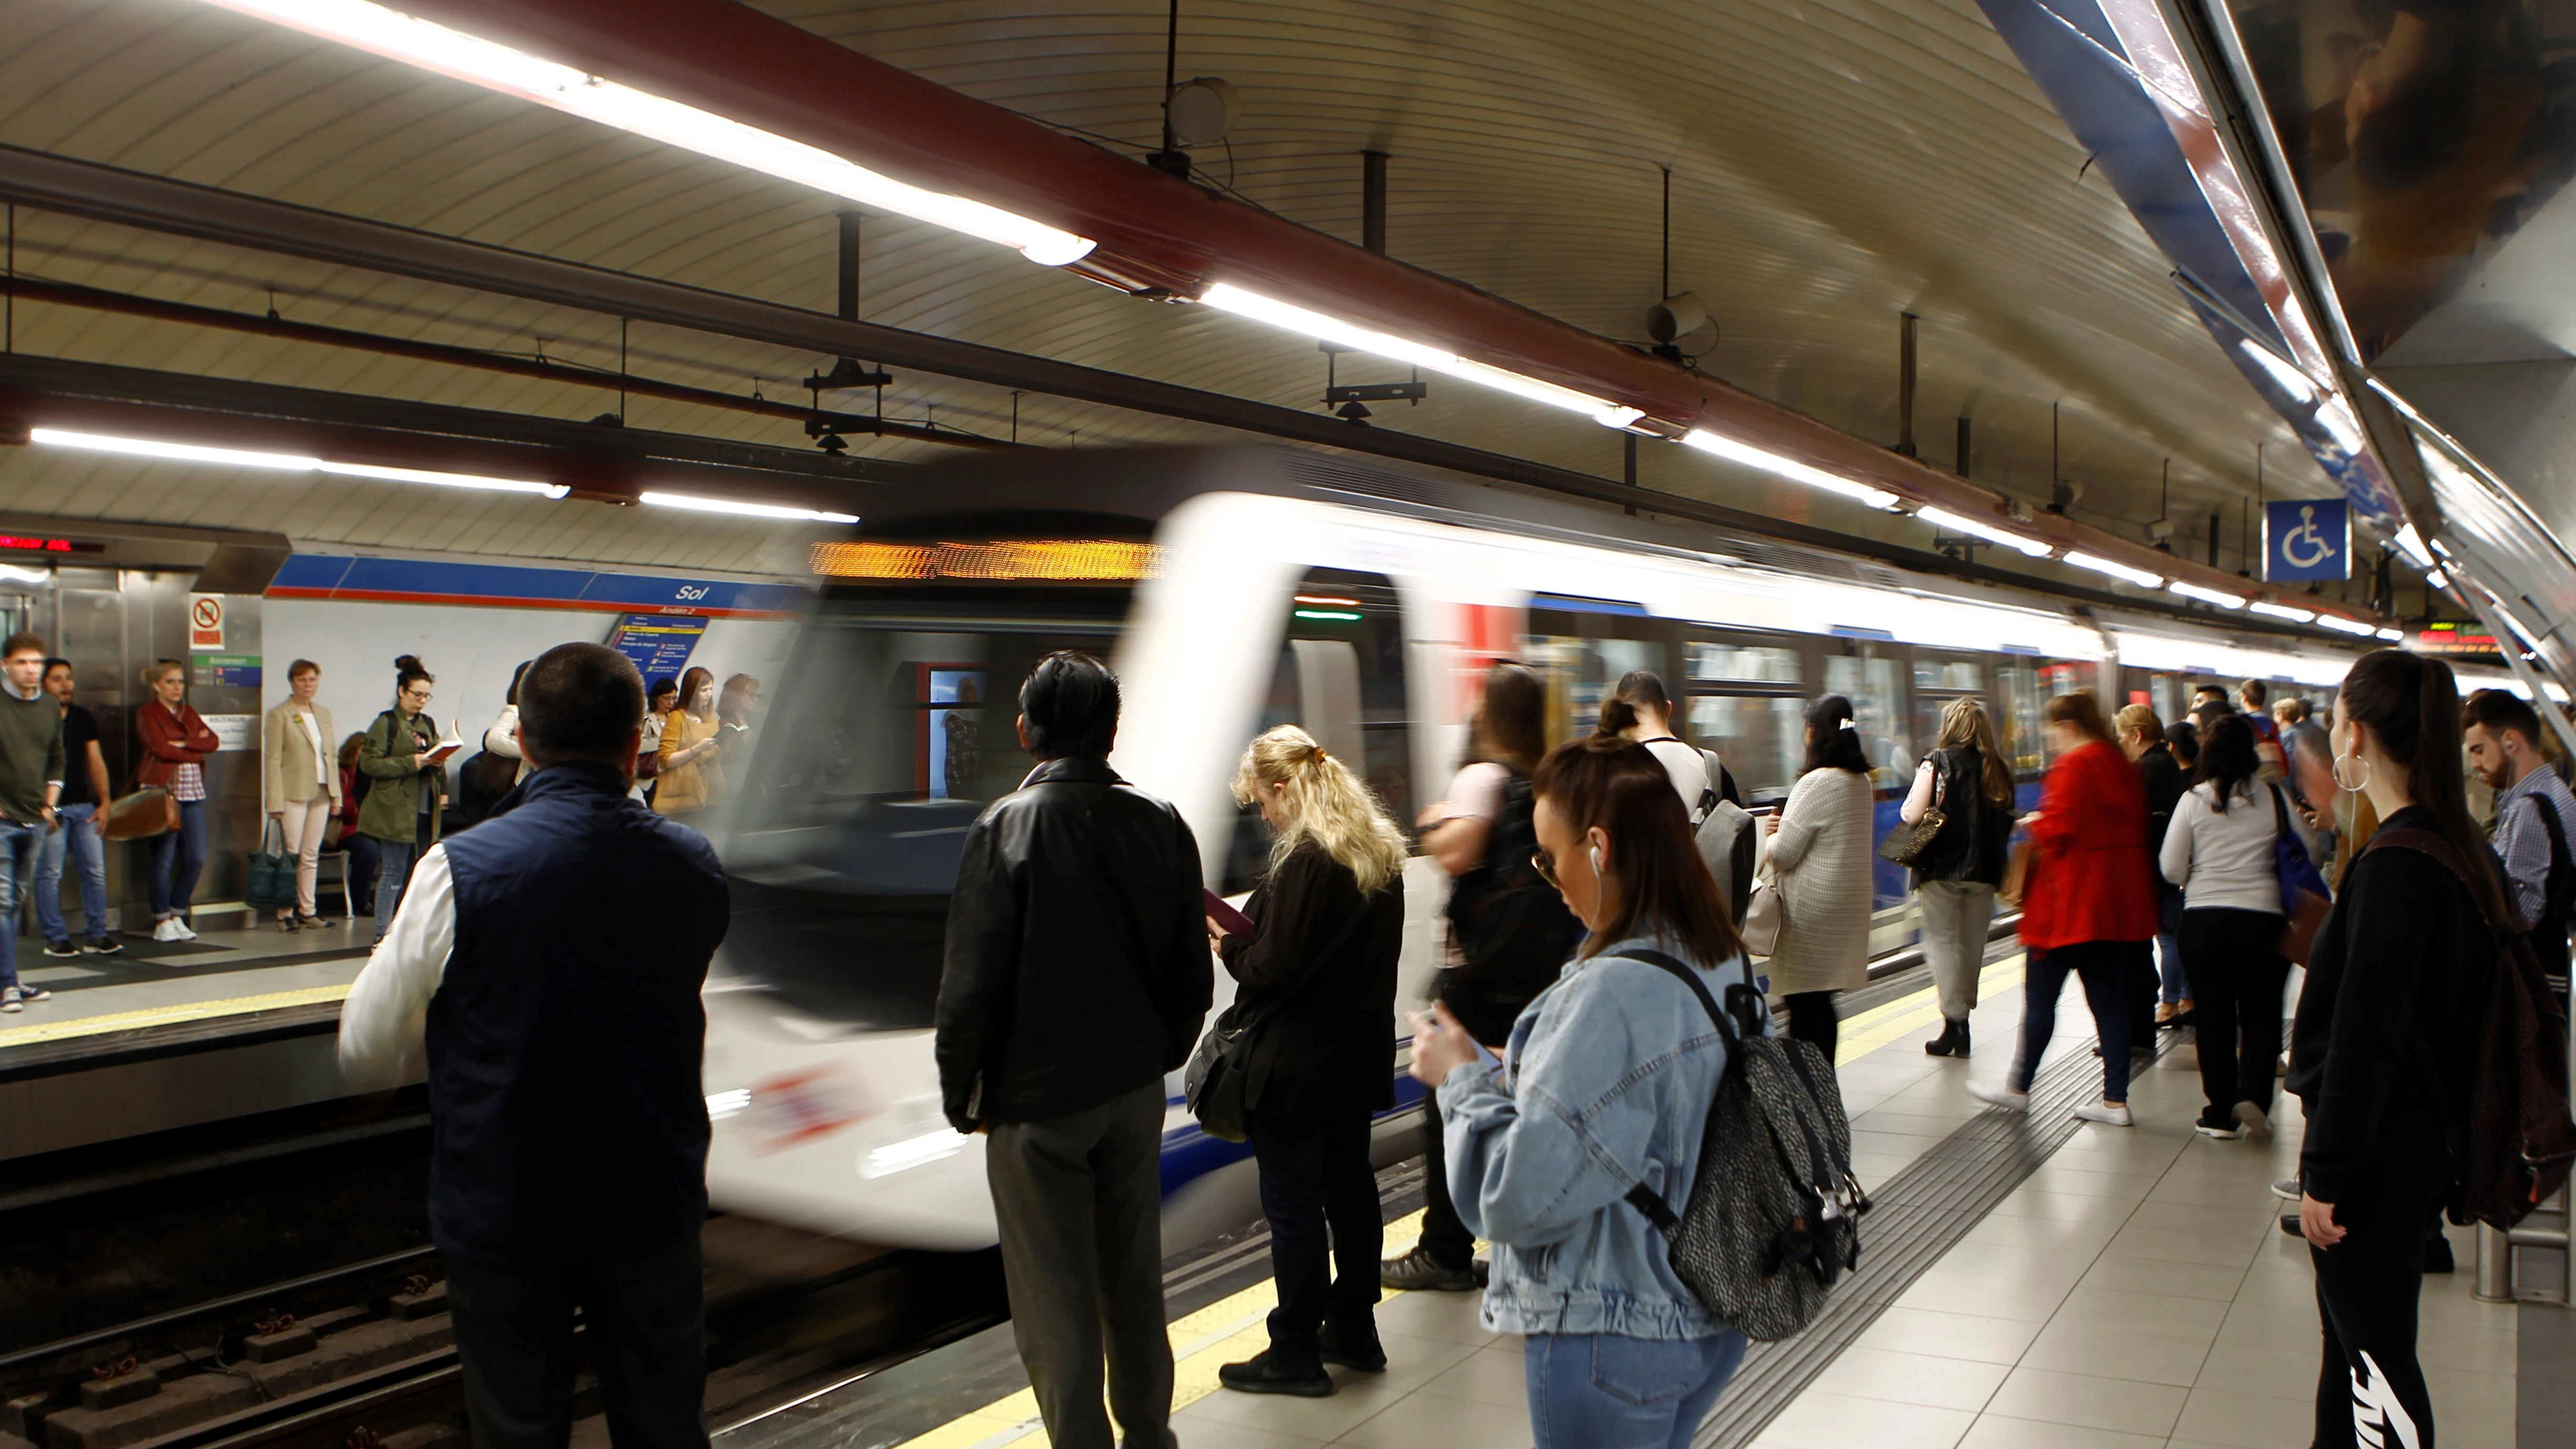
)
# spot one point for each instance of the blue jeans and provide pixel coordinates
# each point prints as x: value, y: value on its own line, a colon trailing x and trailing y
x: 19, y: 843
x: 78, y: 839
x: 364, y: 852
x: 2101, y: 964
x: 1607, y: 1391
x: 177, y: 856
x: 393, y: 871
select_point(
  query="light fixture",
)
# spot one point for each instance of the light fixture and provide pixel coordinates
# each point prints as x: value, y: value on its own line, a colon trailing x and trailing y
x: 2342, y: 625
x: 1073, y: 560
x: 2391, y: 635
x: 1735, y: 451
x: 2411, y: 544
x: 2282, y: 611
x: 747, y: 510
x: 20, y: 574
x: 396, y: 36
x: 2207, y: 596
x: 2101, y: 565
x: 284, y: 462
x: 2437, y: 579
x: 1944, y: 518
x: 1227, y: 297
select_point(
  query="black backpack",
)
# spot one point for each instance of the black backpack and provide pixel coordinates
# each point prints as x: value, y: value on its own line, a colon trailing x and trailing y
x: 1772, y: 1221
x: 1512, y: 928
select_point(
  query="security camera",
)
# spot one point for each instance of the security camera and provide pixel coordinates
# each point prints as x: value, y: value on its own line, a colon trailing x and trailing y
x: 1676, y: 317
x: 2159, y: 530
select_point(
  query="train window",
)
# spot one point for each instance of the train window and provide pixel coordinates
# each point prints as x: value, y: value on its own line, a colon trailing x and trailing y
x: 1339, y: 677
x: 1743, y: 663
x: 1958, y: 676
x: 2024, y: 739
x: 892, y: 730
x: 1762, y: 738
x: 1876, y: 689
x: 1581, y: 673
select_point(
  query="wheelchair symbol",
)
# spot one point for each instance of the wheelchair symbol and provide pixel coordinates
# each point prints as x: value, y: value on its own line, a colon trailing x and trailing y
x: 2304, y: 547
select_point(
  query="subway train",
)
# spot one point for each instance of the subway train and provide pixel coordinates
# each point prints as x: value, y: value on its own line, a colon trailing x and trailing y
x: 1234, y: 590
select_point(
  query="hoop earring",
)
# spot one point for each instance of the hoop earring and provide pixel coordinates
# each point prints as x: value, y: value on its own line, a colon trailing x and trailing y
x: 2351, y: 787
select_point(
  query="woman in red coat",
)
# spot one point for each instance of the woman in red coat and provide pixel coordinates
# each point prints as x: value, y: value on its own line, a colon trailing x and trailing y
x: 2090, y: 902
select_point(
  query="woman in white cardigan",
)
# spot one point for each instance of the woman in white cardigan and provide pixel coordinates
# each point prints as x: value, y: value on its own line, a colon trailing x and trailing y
x: 303, y: 782
x: 1821, y: 853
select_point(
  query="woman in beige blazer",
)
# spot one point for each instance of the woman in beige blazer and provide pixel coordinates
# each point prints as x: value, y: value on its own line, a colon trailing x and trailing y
x: 303, y: 782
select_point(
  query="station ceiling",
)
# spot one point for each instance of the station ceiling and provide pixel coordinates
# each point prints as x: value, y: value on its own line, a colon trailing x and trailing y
x: 1832, y: 165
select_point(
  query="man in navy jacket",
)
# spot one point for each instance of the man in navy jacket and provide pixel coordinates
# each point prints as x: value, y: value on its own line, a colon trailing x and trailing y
x: 549, y: 962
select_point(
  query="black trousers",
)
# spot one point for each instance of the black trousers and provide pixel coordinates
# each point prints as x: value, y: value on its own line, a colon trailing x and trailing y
x: 1444, y: 1236
x: 647, y: 1340
x: 2367, y: 1289
x: 1812, y: 1018
x: 1315, y: 1177
x: 1080, y: 1202
x: 2233, y: 960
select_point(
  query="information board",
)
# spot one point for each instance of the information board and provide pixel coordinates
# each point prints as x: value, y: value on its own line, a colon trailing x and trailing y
x: 660, y: 644
x: 2307, y: 540
x: 228, y: 671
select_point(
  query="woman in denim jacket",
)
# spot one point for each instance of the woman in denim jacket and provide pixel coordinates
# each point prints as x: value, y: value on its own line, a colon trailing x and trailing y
x: 1606, y: 1084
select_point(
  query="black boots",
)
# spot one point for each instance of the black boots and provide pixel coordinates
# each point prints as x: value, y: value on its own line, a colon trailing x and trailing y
x: 1952, y: 1042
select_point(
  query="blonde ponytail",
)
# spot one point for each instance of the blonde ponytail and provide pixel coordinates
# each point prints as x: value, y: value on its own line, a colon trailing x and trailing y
x: 1325, y: 803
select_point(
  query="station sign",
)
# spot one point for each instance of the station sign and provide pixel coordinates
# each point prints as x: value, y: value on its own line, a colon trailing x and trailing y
x: 659, y: 644
x: 2456, y: 641
x: 2307, y: 540
x: 228, y: 671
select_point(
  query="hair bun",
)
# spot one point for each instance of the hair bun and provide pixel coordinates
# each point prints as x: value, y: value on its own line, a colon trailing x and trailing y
x: 408, y: 661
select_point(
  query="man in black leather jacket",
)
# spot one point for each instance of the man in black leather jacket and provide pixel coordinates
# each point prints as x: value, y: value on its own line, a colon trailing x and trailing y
x: 1077, y: 975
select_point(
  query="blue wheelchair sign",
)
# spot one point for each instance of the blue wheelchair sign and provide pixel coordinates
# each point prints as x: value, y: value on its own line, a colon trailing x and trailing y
x: 2307, y: 539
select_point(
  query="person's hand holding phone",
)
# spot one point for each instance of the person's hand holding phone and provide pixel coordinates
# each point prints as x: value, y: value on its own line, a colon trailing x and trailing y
x: 1440, y: 1045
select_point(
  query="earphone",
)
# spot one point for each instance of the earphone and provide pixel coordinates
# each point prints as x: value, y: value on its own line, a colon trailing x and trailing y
x: 1594, y: 855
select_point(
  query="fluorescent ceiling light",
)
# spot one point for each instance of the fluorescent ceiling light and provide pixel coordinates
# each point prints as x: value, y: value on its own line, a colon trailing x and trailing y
x: 2207, y: 596
x: 2280, y: 611
x: 1734, y: 451
x: 284, y: 462
x: 748, y: 510
x: 1287, y: 316
x: 1992, y: 533
x: 2437, y: 579
x: 2101, y: 565
x: 2411, y: 544
x: 16, y: 574
x: 396, y: 36
x: 2391, y: 635
x: 2342, y: 625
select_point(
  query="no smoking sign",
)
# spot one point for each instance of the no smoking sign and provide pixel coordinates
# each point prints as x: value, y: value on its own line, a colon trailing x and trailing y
x: 205, y: 622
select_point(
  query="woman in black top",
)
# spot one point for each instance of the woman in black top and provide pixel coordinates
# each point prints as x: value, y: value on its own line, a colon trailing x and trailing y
x: 2383, y: 1046
x: 1969, y: 779
x: 1321, y: 967
x: 2143, y: 739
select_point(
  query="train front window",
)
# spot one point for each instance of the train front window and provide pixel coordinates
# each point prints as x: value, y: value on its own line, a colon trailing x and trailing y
x: 893, y: 728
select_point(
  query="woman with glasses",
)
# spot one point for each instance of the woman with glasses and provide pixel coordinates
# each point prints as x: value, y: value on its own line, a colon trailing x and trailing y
x: 406, y: 772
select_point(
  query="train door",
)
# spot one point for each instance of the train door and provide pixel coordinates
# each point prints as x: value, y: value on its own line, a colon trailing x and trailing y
x: 1874, y: 676
x: 1582, y: 646
x: 1745, y: 697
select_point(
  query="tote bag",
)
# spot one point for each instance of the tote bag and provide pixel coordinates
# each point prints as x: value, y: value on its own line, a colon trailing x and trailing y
x: 271, y: 884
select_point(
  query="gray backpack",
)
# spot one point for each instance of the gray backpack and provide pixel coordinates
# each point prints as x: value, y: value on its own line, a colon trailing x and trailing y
x: 1726, y: 839
x: 1773, y: 1216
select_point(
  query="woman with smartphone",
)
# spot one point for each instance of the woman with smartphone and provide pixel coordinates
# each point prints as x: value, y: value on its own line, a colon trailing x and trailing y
x: 692, y: 738
x: 1320, y: 969
x: 405, y: 763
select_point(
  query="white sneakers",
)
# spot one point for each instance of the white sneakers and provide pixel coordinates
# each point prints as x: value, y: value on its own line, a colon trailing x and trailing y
x: 1995, y: 1094
x: 173, y: 929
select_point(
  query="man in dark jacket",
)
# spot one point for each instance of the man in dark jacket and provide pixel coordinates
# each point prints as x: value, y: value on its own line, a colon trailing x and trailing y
x: 549, y: 961
x: 1077, y: 975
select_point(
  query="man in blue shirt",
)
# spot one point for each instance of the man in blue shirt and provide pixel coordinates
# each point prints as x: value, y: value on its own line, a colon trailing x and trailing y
x: 546, y: 965
x: 2533, y: 814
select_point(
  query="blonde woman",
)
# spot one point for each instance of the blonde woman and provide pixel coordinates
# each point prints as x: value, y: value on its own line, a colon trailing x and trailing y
x: 1968, y: 776
x: 1319, y: 971
x: 302, y: 782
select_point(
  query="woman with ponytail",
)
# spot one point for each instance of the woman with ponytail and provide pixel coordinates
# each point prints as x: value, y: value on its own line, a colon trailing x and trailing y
x: 1319, y: 969
x: 2383, y: 1051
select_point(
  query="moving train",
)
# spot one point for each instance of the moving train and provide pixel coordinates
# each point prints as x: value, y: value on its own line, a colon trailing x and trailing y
x: 1235, y: 590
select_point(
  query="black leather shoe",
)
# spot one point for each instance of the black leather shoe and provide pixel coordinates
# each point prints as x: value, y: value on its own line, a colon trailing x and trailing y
x: 1360, y: 1351
x: 2290, y: 1226
x: 1266, y: 1373
x: 1952, y: 1042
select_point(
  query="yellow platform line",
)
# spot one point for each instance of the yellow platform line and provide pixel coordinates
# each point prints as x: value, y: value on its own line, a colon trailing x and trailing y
x: 1226, y: 1331
x: 1915, y: 1011
x: 177, y: 1015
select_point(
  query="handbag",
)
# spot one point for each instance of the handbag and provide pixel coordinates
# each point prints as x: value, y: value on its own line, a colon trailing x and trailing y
x: 2304, y: 901
x: 2017, y: 872
x: 271, y: 885
x: 1766, y: 915
x: 140, y: 816
x: 1223, y: 1081
x: 1906, y: 843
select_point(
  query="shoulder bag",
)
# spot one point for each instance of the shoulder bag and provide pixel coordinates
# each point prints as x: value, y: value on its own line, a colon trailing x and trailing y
x: 1766, y: 915
x: 1906, y: 844
x: 271, y: 883
x: 1223, y: 1083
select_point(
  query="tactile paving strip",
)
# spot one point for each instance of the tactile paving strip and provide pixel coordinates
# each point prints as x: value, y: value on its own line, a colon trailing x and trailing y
x: 1921, y: 1213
